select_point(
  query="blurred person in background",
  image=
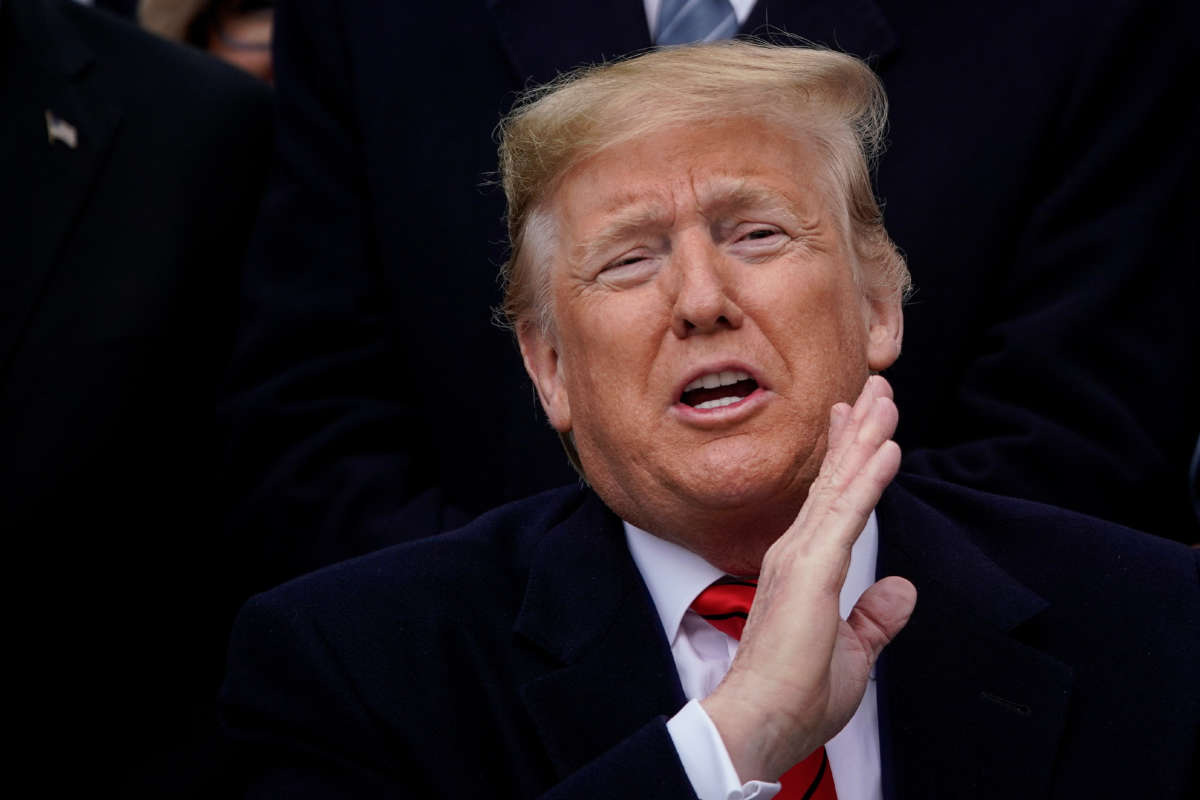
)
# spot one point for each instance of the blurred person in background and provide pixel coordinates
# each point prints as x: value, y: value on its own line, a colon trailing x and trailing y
x: 237, y: 31
x: 132, y: 170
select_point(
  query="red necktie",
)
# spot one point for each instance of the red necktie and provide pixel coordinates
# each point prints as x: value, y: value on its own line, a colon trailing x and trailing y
x: 725, y: 606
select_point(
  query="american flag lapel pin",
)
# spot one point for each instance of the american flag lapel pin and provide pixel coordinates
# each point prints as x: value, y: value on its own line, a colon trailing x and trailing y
x: 58, y: 129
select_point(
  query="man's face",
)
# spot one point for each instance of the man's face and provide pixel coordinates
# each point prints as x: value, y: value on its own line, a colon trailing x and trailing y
x: 706, y: 319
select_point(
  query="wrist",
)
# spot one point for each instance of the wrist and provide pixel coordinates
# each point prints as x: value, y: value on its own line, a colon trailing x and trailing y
x: 761, y: 741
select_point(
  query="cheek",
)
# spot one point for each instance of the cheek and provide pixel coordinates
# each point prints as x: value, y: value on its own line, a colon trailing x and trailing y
x: 613, y: 333
x: 814, y: 321
x: 610, y: 353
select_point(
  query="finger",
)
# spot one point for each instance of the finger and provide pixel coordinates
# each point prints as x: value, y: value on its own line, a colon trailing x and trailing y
x: 862, y: 492
x: 883, y: 466
x: 846, y: 513
x: 827, y: 527
x: 884, y: 387
x: 839, y: 415
x: 881, y: 613
x: 875, y: 387
x: 844, y: 417
x: 879, y: 425
x: 859, y: 444
x: 851, y: 447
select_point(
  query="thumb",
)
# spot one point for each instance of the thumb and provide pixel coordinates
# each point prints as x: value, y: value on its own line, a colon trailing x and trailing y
x: 881, y: 612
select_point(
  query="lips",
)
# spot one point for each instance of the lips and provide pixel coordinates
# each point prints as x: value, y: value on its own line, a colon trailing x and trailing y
x: 717, y: 389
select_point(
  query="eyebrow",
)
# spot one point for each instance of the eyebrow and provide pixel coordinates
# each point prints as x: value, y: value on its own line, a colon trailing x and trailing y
x: 638, y: 216
x: 734, y: 193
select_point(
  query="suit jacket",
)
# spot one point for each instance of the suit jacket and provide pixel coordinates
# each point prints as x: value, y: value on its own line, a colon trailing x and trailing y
x: 1050, y: 656
x: 1040, y: 179
x: 120, y: 244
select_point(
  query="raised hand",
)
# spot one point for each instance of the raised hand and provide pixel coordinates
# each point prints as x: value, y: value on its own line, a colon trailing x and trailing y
x: 801, y: 671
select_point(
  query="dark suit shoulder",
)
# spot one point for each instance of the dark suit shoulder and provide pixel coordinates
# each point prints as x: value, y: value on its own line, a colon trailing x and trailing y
x: 1091, y: 626
x: 480, y: 565
x: 1012, y: 528
x: 1095, y: 575
x: 338, y: 653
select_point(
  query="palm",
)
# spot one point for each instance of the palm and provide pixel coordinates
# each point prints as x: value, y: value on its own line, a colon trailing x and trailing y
x: 801, y: 671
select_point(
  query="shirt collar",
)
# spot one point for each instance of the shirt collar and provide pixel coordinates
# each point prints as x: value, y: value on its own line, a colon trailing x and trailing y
x: 675, y: 575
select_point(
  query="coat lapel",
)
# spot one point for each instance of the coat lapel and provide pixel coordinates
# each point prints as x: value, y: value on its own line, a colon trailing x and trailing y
x: 962, y: 697
x: 65, y: 87
x: 610, y: 667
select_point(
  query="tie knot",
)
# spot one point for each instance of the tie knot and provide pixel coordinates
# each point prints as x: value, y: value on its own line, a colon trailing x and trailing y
x: 726, y: 604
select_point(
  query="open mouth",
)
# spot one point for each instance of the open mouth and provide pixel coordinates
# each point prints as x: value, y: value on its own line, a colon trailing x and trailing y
x: 718, y: 389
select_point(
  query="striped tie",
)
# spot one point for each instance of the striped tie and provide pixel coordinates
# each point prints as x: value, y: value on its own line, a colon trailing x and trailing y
x: 725, y: 605
x: 683, y: 21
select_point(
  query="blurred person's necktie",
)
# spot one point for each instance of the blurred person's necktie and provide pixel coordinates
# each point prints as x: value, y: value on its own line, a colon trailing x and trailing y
x: 683, y: 21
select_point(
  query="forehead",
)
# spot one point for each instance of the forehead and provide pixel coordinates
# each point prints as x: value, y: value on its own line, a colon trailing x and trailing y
x: 725, y: 166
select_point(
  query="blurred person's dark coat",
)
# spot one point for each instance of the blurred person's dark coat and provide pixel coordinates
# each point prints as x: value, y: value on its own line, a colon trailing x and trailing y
x: 1041, y: 180
x: 132, y: 171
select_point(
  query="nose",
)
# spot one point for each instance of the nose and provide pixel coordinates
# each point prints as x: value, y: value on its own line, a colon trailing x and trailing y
x: 702, y: 300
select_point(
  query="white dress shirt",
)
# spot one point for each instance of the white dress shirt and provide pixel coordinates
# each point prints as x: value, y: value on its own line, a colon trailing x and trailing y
x: 675, y: 576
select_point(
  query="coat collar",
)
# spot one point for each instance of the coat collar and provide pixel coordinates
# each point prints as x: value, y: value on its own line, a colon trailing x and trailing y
x: 63, y: 78
x: 587, y: 610
x: 968, y: 708
x: 544, y: 37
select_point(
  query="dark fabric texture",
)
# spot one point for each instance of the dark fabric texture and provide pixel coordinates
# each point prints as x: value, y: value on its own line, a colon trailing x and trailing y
x: 1050, y: 655
x: 1040, y: 179
x: 119, y: 267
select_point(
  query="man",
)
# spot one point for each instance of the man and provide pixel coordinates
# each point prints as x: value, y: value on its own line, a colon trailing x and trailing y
x: 1050, y: 143
x: 235, y: 31
x: 132, y: 170
x: 700, y: 283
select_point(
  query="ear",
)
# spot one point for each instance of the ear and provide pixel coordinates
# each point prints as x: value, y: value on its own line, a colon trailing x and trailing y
x: 885, y: 330
x: 539, y: 351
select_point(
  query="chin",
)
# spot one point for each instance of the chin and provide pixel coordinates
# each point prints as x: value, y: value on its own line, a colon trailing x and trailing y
x: 742, y: 476
x: 727, y: 499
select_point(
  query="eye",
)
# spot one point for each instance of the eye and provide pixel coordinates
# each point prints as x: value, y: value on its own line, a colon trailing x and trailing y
x: 628, y: 269
x: 759, y: 233
x: 755, y: 241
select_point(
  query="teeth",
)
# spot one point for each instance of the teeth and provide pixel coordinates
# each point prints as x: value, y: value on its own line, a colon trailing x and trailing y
x: 720, y: 402
x: 714, y: 379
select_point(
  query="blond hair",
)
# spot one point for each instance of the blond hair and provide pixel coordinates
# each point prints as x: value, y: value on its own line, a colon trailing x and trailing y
x: 831, y: 97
